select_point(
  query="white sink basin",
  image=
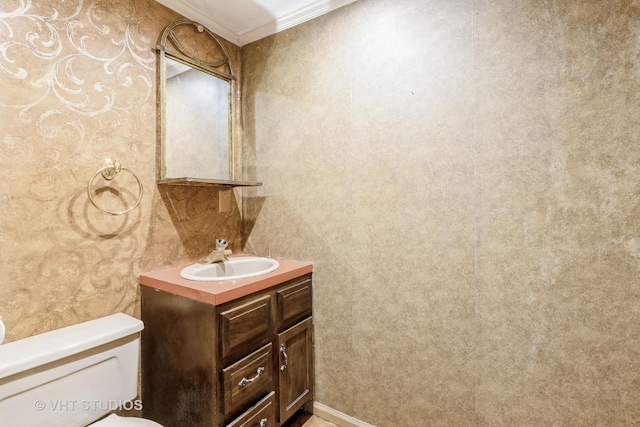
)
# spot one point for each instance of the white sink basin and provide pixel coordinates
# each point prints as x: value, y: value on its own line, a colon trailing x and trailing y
x: 231, y: 269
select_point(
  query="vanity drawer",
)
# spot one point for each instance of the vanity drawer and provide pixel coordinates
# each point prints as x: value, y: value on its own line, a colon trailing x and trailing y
x: 293, y: 303
x: 263, y: 414
x: 247, y: 378
x: 245, y: 327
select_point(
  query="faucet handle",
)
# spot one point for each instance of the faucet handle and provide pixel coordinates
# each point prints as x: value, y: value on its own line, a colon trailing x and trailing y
x: 221, y: 244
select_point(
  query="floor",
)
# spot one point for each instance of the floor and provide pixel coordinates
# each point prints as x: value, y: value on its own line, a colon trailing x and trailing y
x: 308, y: 420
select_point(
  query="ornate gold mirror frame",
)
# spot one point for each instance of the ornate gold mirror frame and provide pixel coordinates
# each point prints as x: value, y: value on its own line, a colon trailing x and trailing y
x: 197, y: 137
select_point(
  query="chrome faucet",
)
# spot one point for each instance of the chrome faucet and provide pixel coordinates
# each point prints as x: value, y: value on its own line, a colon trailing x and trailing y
x: 219, y: 254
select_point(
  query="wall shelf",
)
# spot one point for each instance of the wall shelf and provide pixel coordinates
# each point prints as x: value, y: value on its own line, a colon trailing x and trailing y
x: 198, y: 182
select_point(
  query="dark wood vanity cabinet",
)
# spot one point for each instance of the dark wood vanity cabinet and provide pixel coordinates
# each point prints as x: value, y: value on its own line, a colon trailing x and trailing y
x: 248, y: 362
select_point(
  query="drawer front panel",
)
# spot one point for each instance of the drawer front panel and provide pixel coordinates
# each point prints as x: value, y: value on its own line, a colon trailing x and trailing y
x: 245, y: 327
x: 294, y: 303
x: 247, y: 378
x: 263, y: 414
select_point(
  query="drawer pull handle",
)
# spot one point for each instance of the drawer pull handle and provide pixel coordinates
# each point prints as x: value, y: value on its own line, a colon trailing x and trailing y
x: 283, y: 350
x: 263, y: 422
x: 244, y: 381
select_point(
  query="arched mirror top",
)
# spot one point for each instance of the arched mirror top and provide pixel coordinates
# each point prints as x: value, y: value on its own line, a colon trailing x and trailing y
x: 192, y: 42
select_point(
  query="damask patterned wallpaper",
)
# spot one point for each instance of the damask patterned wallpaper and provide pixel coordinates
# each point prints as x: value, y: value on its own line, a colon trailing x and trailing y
x: 77, y: 84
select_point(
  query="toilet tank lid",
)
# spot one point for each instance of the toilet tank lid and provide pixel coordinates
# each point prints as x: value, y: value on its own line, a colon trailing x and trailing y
x: 28, y: 353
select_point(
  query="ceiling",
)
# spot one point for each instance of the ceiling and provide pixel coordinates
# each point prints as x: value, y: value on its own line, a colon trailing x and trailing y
x: 245, y: 21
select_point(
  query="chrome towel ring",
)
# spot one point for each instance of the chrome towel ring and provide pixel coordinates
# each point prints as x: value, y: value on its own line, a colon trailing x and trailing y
x: 110, y: 168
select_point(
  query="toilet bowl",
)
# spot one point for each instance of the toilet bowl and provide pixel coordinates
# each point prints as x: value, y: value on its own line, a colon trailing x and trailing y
x: 115, y: 421
x: 74, y: 376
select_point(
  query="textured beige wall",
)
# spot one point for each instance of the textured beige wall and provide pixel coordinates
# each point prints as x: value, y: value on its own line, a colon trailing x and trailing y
x: 465, y: 177
x: 77, y: 84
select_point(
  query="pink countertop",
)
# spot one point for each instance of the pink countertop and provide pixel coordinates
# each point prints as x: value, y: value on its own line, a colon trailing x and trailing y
x: 219, y: 292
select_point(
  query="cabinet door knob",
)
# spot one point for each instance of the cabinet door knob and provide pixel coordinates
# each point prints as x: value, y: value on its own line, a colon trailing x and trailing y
x: 263, y: 422
x: 283, y: 350
x: 244, y: 381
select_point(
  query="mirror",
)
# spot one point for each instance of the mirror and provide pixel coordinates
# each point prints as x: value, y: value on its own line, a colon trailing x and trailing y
x: 197, y: 138
x: 197, y: 109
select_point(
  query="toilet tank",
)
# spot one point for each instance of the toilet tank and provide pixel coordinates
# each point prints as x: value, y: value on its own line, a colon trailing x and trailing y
x: 71, y: 376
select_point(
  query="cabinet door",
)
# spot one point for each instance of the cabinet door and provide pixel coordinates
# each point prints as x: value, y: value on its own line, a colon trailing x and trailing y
x: 295, y: 367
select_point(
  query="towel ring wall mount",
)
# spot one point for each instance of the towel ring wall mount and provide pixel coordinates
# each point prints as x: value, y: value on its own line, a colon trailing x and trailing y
x: 109, y: 170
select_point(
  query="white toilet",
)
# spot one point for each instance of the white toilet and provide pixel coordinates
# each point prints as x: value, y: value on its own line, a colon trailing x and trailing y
x: 74, y: 376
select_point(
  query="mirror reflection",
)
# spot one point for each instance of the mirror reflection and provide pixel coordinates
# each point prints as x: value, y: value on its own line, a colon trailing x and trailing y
x: 197, y: 142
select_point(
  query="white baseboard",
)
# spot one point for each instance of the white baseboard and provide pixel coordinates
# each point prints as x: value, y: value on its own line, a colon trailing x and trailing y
x: 337, y: 417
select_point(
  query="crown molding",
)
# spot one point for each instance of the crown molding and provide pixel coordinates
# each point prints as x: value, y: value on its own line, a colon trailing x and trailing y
x: 297, y: 17
x: 292, y: 19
